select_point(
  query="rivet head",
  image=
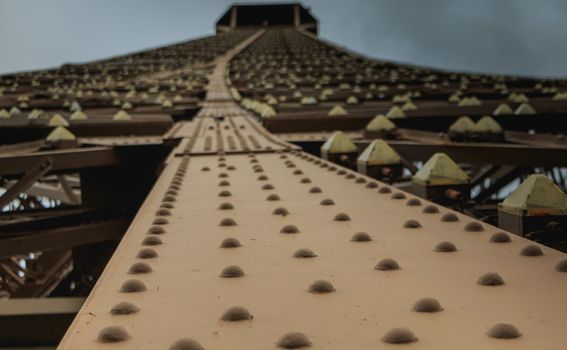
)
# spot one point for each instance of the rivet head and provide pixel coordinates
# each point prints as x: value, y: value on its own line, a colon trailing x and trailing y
x: 226, y: 206
x: 113, y: 334
x: 227, y: 222
x: 225, y: 194
x: 473, y: 226
x: 281, y: 211
x: 160, y: 221
x: 360, y: 180
x: 297, y: 172
x: 449, y: 217
x: 304, y: 253
x: 205, y: 168
x: 151, y: 241
x: 427, y: 305
x: 315, y: 189
x: 294, y: 340
x: 268, y: 187
x: 387, y: 264
x: 342, y: 217
x: 139, y: 267
x: 430, y: 209
x: 412, y: 224
x: 413, y: 202
x: 503, y: 331
x: 350, y: 176
x: 384, y: 190
x: 232, y: 271
x: 500, y: 237
x: 341, y: 172
x: 224, y: 183
x: 327, y: 201
x: 230, y: 243
x: 321, y: 287
x: 372, y: 184
x: 445, y: 247
x: 147, y: 253
x: 223, y: 175
x: 133, y: 286
x: 490, y: 279
x: 531, y: 250
x: 398, y: 195
x: 186, y: 344
x: 156, y: 230
x: 361, y: 237
x: 236, y: 313
x: 305, y: 180
x: 561, y: 266
x: 289, y: 229
x: 399, y: 336
x: 262, y: 178
x: 273, y: 197
x: 124, y: 308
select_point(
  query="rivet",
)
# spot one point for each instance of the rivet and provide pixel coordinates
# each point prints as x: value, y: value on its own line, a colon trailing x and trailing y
x: 232, y: 271
x: 147, y: 253
x: 449, y: 217
x: 222, y: 165
x: 361, y: 237
x: 167, y: 205
x: 222, y: 175
x: 175, y: 187
x: 445, y: 247
x: 205, y: 168
x: 231, y: 167
x: 156, y: 230
x: 305, y: 180
x: 152, y: 240
x: 503, y: 331
x: 132, y: 286
x: 399, y: 336
x: 321, y: 287
x: 430, y: 209
x: 225, y: 194
x: 186, y: 344
x: 413, y: 202
x: 160, y: 221
x: 236, y: 313
x: 254, y: 160
x: 230, y: 243
x: 387, y: 264
x: 372, y: 184
x: 341, y: 217
x: 327, y: 201
x: 262, y: 178
x: 324, y: 165
x: 268, y: 187
x: 384, y: 190
x: 490, y: 279
x: 412, y: 224
x: 474, y: 226
x: 531, y: 250
x: 315, y: 189
x: 289, y: 229
x: 332, y: 168
x: 427, y: 305
x: 291, y: 165
x: 273, y: 197
x: 350, y: 176
x: 297, y: 172
x: 304, y: 253
x: 224, y: 183
x: 139, y: 267
x: 280, y: 211
x: 172, y: 192
x: 226, y: 206
x: 169, y: 198
x: 124, y: 308
x: 500, y: 237
x: 227, y: 222
x: 341, y: 172
x: 294, y: 340
x: 258, y: 170
x: 113, y: 334
x: 561, y: 266
x: 398, y: 195
x: 360, y: 180
x: 163, y: 212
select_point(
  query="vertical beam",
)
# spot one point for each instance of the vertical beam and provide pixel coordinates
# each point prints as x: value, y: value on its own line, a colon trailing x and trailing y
x: 233, y: 14
x: 296, y: 18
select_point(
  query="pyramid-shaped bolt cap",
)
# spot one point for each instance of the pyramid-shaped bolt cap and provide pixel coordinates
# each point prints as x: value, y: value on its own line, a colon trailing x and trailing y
x: 60, y: 134
x: 463, y: 125
x: 536, y: 196
x: 378, y: 153
x: 525, y: 109
x: 57, y: 120
x: 395, y: 112
x: 380, y: 123
x: 487, y: 125
x: 503, y: 108
x: 337, y: 111
x: 78, y: 115
x: 122, y: 115
x: 338, y: 143
x: 440, y: 170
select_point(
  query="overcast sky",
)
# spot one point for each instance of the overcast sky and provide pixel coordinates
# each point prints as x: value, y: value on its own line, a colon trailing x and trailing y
x: 527, y: 37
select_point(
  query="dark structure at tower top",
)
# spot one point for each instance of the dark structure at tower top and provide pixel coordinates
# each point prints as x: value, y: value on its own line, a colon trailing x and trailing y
x: 292, y: 14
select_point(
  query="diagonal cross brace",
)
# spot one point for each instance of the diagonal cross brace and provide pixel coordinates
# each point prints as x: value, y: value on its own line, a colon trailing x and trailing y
x: 26, y: 181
